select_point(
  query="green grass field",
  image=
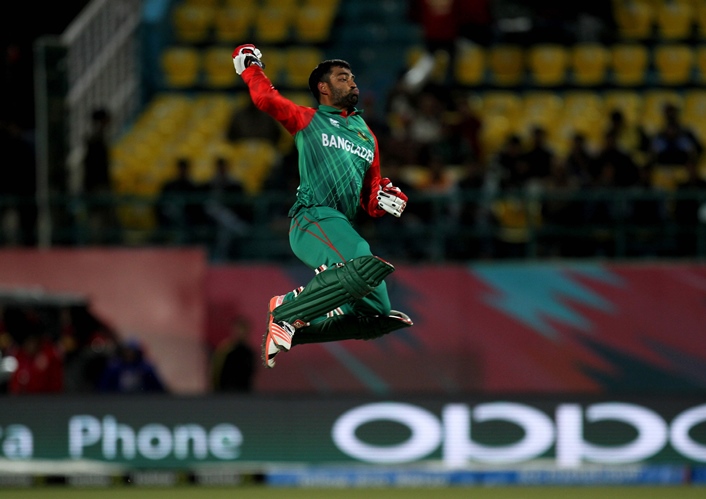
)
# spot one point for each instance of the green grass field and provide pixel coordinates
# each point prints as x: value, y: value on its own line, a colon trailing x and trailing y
x: 260, y: 492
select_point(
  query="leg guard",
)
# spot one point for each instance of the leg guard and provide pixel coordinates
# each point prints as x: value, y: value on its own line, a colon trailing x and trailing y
x: 351, y: 327
x: 332, y: 288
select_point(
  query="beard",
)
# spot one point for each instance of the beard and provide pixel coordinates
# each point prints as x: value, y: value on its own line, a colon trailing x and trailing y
x: 342, y: 100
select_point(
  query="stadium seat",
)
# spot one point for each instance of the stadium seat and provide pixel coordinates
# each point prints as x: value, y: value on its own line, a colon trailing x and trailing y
x: 700, y: 64
x: 654, y: 101
x: 583, y: 111
x: 299, y: 62
x: 501, y: 103
x: 274, y: 59
x: 234, y: 24
x: 181, y: 66
x: 192, y: 23
x: 674, y: 20
x: 673, y: 64
x: 629, y: 102
x: 694, y: 108
x: 541, y: 108
x: 273, y: 25
x: 207, y: 3
x: 589, y: 64
x: 312, y: 24
x: 700, y: 19
x: 547, y: 64
x: 470, y: 65
x: 629, y: 63
x: 218, y: 68
x: 506, y: 64
x: 252, y: 160
x: 634, y: 19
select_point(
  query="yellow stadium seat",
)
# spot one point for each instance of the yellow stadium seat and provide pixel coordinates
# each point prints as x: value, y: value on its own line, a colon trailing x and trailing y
x: 299, y: 63
x: 181, y: 66
x: 700, y: 64
x: 547, y: 64
x: 674, y: 64
x: 629, y: 64
x: 274, y: 59
x: 233, y: 24
x: 700, y: 19
x: 506, y: 64
x: 628, y: 102
x: 272, y: 25
x: 583, y: 111
x: 589, y: 64
x: 240, y: 4
x: 218, y: 68
x: 207, y: 3
x: 694, y: 112
x: 674, y: 20
x: 192, y: 23
x: 470, y: 65
x: 654, y: 100
x: 501, y: 103
x: 635, y: 19
x: 541, y: 108
x: 252, y: 160
x: 312, y: 24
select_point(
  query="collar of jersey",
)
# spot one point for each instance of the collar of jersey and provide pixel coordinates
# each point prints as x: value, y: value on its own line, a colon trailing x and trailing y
x: 334, y: 110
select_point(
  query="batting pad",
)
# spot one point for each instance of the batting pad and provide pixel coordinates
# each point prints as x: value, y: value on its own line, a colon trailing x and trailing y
x: 351, y: 327
x: 332, y: 288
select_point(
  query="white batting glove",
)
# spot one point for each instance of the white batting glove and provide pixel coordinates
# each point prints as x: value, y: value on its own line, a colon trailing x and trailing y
x: 391, y: 198
x: 245, y: 55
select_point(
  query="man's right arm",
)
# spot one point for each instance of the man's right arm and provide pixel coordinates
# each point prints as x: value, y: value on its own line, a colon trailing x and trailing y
x: 266, y: 98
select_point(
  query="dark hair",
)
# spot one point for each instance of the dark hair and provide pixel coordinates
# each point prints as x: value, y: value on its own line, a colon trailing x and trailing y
x: 322, y: 72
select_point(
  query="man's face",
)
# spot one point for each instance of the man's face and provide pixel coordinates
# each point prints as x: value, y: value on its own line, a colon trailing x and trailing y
x: 344, y: 91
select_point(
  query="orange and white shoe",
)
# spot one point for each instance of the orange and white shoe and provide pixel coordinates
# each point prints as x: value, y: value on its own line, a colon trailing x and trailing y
x: 278, y: 337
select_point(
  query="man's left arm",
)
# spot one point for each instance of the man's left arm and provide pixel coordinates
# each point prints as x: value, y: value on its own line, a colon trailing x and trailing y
x: 378, y: 195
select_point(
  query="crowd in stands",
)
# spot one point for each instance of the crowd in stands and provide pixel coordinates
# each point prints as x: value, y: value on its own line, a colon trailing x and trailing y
x: 66, y: 349
x: 475, y: 199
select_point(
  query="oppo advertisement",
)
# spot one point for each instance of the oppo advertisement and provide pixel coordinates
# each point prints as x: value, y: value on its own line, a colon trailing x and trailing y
x: 180, y: 433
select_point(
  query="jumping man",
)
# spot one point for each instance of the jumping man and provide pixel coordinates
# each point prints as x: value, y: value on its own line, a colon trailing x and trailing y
x: 339, y: 170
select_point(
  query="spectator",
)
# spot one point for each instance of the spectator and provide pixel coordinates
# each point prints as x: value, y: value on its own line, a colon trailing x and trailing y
x: 96, y: 175
x: 179, y: 207
x: 40, y: 368
x: 444, y: 23
x: 630, y: 138
x: 462, y: 132
x: 225, y: 209
x: 614, y: 167
x: 512, y: 165
x: 248, y: 122
x: 539, y: 156
x: 690, y: 211
x: 561, y: 209
x: 579, y: 161
x: 18, y: 179
x: 471, y: 214
x: 130, y: 372
x: 234, y: 360
x: 674, y: 143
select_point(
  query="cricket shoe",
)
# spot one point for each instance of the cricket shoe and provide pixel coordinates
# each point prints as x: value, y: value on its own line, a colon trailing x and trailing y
x: 278, y: 337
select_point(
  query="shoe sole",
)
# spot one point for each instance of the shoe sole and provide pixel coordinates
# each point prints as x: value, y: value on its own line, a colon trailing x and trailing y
x: 268, y: 362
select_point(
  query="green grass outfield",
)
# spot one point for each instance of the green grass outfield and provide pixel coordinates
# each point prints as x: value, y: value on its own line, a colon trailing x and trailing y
x: 261, y: 492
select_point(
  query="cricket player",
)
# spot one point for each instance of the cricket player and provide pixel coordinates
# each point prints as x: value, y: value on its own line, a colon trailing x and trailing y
x: 339, y: 170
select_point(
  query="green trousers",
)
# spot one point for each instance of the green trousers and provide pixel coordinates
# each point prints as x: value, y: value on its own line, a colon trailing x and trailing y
x: 324, y: 236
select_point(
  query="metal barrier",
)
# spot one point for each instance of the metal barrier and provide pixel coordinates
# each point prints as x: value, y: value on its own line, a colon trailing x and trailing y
x: 461, y: 226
